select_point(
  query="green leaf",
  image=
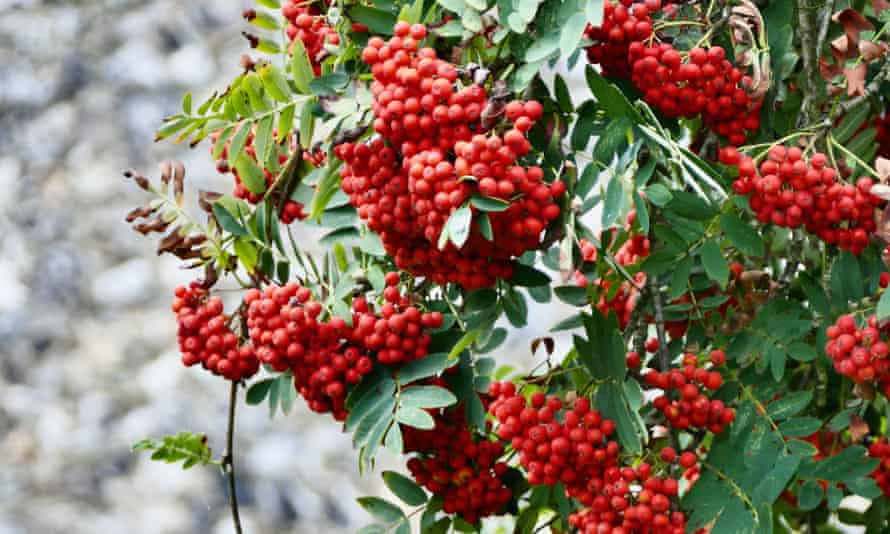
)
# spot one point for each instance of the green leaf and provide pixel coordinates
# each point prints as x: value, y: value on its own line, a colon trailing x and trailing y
x: 851, y: 122
x: 458, y: 227
x: 884, y: 306
x: 187, y: 103
x: 393, y: 440
x: 404, y: 488
x: 247, y: 253
x: 472, y: 20
x: 426, y: 397
x: 594, y: 11
x: 799, y: 427
x: 257, y: 392
x: 236, y: 147
x: 571, y: 34
x: 809, y: 495
x: 484, y: 224
x: 381, y: 509
x: 227, y: 220
x: 251, y: 174
x: 526, y: 276
x: 574, y: 295
x: 307, y: 126
x: 715, y: 264
x: 301, y: 67
x: 415, y: 417
x: 742, y: 236
x: 642, y: 212
x: 588, y: 180
x: 464, y: 342
x: 610, y: 99
x: 614, y: 202
x: 285, y: 122
x: 427, y: 366
x: 542, y: 47
x: 484, y: 203
x: 611, y: 401
x: 263, y: 141
x: 191, y: 449
x: 329, y: 84
x: 275, y: 83
x: 658, y: 195
x: 789, y: 404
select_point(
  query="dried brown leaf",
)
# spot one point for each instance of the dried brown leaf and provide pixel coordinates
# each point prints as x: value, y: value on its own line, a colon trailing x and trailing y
x: 853, y: 23
x: 856, y: 79
x: 870, y: 50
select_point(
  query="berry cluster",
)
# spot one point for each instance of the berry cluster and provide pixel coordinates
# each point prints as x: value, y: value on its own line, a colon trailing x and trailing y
x: 306, y: 24
x: 397, y: 334
x: 287, y: 333
x: 789, y: 190
x: 624, y: 22
x: 290, y: 211
x: 458, y: 465
x: 205, y: 337
x: 860, y: 353
x: 575, y: 450
x: 433, y: 155
x: 880, y: 449
x: 692, y: 408
x: 328, y: 356
x: 633, y: 501
x: 706, y: 85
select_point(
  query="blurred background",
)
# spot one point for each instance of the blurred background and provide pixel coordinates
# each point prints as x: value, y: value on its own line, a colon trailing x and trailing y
x: 87, y: 358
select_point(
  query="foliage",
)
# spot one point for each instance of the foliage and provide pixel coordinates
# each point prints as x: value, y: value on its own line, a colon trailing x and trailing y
x: 710, y: 208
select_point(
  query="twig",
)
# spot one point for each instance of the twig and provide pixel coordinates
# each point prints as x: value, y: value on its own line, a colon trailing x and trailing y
x: 228, y: 462
x: 664, y: 357
x: 809, y: 50
x: 824, y: 23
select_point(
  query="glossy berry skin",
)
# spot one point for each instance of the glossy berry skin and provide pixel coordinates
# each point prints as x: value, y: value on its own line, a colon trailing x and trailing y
x: 327, y: 356
x: 205, y: 337
x: 624, y: 22
x: 791, y: 191
x: 433, y: 152
x: 860, y: 353
x: 463, y: 467
x: 685, y: 402
x: 705, y: 84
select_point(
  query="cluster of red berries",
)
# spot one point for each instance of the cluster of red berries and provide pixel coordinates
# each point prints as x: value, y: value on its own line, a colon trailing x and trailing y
x: 789, y: 190
x: 860, y: 353
x: 308, y: 25
x: 624, y: 22
x: 633, y: 501
x: 880, y: 449
x: 290, y: 212
x: 205, y: 337
x: 706, y: 85
x: 692, y: 408
x: 284, y: 326
x: 462, y: 467
x: 432, y: 156
x: 328, y: 356
x: 575, y: 450
x: 398, y: 332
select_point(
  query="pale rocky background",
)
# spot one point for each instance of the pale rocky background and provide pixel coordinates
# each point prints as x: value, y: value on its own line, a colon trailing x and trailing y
x: 87, y: 358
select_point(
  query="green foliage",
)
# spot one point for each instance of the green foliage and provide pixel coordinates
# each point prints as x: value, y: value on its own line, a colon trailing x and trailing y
x: 190, y: 449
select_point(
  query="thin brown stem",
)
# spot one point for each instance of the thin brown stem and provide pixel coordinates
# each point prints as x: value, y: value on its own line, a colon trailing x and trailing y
x: 228, y: 462
x: 809, y: 38
x: 664, y: 357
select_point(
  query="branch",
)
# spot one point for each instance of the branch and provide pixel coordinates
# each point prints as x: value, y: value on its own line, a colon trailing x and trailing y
x: 228, y: 462
x: 809, y: 50
x: 664, y: 357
